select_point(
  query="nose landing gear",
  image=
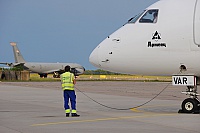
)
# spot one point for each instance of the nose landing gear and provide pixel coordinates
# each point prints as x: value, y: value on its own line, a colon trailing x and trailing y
x: 191, y: 104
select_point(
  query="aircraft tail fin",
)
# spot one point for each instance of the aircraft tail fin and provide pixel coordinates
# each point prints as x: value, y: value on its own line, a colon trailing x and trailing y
x: 17, y: 54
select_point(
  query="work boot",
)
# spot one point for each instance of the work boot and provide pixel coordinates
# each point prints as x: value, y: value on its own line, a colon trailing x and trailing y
x: 67, y: 114
x: 75, y: 115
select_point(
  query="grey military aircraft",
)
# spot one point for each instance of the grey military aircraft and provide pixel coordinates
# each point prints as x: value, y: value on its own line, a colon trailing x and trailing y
x: 43, y: 69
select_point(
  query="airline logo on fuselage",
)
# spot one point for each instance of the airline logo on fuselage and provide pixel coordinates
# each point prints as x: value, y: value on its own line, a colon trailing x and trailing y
x: 155, y: 41
x: 156, y: 36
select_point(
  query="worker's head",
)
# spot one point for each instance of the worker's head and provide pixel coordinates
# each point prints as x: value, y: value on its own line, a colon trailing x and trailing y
x: 67, y: 68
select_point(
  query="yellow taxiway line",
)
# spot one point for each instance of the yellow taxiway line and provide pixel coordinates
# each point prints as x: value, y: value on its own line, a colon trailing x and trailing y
x: 103, y: 119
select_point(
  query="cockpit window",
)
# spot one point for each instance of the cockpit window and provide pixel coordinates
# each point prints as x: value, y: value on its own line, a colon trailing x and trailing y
x: 150, y: 16
x: 134, y: 19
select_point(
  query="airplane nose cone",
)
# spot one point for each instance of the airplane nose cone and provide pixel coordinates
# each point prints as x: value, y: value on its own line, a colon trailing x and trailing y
x: 94, y: 59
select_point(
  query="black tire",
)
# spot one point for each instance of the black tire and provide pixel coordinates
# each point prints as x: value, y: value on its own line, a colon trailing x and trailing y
x: 45, y: 75
x: 56, y: 75
x: 189, y: 105
x: 41, y: 75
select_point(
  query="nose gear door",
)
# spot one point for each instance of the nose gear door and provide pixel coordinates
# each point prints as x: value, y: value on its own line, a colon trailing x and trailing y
x: 197, y: 23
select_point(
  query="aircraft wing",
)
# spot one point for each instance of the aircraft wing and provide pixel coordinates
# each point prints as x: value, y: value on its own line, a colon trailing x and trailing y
x: 76, y: 71
x: 12, y: 64
x: 52, y: 71
x: 5, y: 63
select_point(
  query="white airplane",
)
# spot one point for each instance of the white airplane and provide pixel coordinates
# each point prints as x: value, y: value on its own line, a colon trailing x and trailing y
x: 43, y: 69
x: 164, y: 39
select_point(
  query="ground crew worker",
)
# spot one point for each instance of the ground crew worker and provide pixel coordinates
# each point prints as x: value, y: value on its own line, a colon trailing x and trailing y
x: 68, y: 81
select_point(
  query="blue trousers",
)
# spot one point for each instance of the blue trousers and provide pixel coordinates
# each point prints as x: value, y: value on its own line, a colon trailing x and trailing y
x: 69, y: 94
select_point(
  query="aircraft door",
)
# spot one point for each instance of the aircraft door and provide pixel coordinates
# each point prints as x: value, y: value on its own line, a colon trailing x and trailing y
x: 197, y: 23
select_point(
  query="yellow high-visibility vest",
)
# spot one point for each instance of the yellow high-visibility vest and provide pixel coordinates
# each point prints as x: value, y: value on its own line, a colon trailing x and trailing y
x: 67, y: 81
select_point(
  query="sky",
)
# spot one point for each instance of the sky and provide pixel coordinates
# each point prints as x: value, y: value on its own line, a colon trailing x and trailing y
x: 61, y: 30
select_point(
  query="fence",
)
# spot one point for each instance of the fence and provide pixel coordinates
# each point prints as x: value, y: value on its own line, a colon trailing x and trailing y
x: 14, y: 75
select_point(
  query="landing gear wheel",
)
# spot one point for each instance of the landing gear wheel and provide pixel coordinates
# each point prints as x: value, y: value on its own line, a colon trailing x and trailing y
x: 189, y: 105
x: 43, y: 75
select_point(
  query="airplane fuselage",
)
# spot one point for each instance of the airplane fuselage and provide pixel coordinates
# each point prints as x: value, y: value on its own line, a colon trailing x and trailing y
x: 159, y: 48
x: 45, y: 68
